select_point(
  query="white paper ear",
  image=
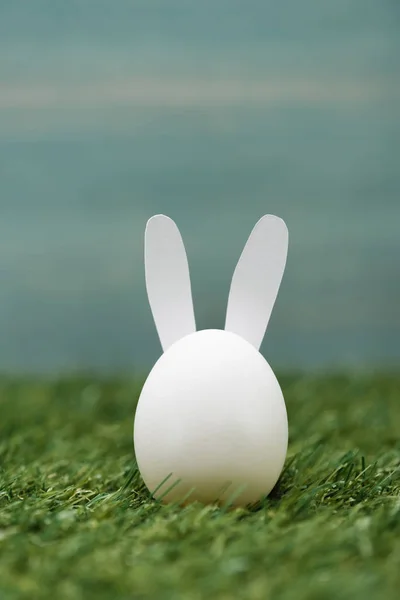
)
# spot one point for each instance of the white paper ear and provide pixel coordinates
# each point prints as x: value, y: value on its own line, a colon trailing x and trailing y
x: 256, y: 280
x: 168, y: 280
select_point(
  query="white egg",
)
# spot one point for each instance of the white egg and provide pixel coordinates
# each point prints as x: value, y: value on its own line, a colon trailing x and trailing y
x: 211, y: 422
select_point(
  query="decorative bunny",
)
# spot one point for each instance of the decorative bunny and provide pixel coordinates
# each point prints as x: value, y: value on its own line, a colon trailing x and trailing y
x: 211, y: 422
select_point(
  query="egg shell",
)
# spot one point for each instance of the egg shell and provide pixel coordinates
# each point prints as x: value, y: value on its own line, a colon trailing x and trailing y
x: 211, y: 422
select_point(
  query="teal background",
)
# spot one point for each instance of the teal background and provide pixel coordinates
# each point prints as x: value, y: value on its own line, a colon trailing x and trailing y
x: 215, y: 113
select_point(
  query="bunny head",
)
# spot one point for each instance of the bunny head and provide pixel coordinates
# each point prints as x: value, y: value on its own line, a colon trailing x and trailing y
x: 211, y: 421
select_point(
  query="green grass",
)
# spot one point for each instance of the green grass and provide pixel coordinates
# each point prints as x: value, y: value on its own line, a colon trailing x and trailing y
x: 77, y: 523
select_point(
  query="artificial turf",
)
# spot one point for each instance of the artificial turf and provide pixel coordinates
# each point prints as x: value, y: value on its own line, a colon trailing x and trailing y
x: 76, y: 522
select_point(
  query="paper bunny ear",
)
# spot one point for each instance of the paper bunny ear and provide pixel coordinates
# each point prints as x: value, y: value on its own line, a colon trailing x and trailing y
x: 168, y: 280
x: 256, y: 280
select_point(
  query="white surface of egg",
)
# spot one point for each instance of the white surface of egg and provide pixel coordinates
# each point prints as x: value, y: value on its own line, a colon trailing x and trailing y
x: 211, y: 422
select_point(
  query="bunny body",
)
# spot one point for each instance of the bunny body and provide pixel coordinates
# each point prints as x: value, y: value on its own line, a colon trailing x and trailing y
x: 211, y: 418
x: 211, y: 421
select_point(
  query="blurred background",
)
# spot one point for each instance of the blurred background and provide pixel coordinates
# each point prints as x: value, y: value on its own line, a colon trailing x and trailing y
x: 214, y: 112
